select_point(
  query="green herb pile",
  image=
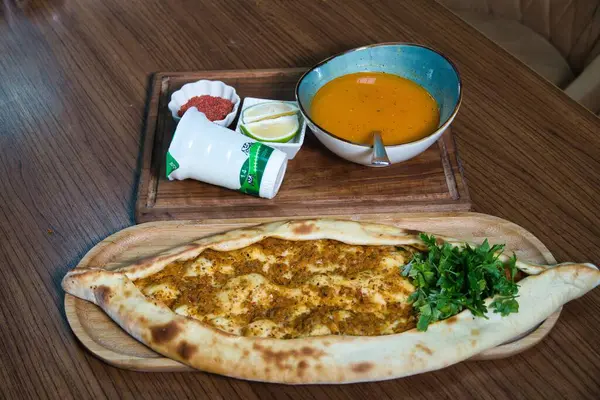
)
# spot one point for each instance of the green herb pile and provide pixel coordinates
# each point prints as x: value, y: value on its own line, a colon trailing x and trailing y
x: 450, y: 279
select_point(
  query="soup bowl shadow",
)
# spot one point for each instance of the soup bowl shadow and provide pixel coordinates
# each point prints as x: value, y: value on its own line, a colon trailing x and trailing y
x: 420, y: 64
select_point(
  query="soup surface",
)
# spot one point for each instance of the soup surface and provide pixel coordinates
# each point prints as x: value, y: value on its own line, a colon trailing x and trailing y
x: 353, y: 106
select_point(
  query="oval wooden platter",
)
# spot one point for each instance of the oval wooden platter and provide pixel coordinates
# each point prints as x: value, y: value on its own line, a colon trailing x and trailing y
x: 109, y: 342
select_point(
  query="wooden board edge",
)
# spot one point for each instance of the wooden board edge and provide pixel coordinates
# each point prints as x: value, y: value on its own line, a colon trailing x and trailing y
x: 521, y: 345
x: 378, y: 217
x: 461, y: 180
x: 445, y: 159
x: 158, y: 364
x: 457, y: 168
x: 147, y: 144
x: 163, y: 364
x: 234, y: 73
x: 159, y: 214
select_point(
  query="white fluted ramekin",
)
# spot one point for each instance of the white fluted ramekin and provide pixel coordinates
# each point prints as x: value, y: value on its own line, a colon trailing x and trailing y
x: 205, y: 87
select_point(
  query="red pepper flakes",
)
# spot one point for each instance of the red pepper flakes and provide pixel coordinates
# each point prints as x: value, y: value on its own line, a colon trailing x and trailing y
x: 215, y: 108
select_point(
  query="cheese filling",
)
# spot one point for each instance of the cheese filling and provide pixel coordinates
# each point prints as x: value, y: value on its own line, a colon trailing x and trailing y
x: 288, y: 289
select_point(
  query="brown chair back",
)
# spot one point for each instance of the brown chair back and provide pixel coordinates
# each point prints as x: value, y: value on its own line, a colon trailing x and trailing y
x: 572, y: 26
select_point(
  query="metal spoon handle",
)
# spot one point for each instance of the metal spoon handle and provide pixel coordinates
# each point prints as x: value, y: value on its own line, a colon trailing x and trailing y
x: 380, y: 157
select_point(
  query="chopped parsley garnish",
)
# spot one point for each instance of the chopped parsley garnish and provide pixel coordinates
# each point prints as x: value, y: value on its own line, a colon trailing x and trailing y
x: 450, y: 279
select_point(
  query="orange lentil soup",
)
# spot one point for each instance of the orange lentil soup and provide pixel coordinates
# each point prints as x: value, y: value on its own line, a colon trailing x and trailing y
x: 353, y: 106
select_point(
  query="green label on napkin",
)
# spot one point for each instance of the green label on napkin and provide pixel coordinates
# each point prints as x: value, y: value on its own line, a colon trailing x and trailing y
x: 253, y: 168
x: 172, y: 164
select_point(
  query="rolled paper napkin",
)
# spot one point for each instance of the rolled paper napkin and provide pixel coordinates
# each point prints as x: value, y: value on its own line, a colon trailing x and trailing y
x: 213, y: 154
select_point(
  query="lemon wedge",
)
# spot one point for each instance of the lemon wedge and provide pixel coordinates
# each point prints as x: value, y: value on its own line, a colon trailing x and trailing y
x: 267, y: 110
x: 279, y: 130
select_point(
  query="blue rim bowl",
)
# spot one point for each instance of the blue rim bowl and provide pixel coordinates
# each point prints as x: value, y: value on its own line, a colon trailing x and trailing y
x: 421, y: 64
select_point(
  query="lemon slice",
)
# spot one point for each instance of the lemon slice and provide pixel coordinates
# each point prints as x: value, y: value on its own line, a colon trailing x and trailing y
x: 268, y: 110
x: 279, y: 130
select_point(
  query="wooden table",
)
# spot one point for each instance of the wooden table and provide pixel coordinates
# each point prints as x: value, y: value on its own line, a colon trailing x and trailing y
x: 74, y: 76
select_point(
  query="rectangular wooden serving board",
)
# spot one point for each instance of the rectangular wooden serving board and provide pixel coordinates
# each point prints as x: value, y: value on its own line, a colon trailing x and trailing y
x: 105, y: 339
x: 317, y: 182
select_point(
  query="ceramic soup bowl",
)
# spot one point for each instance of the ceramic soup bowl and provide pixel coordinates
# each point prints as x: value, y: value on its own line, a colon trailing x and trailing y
x: 422, y: 65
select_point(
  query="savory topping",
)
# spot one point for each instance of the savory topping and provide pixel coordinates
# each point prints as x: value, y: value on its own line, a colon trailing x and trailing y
x: 288, y: 289
x: 215, y: 108
x: 450, y: 279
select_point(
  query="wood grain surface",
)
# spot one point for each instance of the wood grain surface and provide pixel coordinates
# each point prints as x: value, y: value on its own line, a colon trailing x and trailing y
x: 316, y: 180
x: 106, y: 340
x: 74, y: 80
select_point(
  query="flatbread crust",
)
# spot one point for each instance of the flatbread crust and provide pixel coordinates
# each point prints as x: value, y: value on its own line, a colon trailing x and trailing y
x: 320, y: 359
